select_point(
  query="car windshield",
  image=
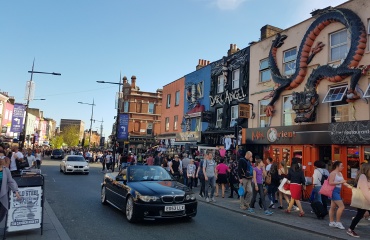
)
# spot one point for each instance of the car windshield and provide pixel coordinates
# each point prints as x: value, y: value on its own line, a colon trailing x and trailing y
x: 57, y: 152
x: 75, y: 159
x: 147, y: 173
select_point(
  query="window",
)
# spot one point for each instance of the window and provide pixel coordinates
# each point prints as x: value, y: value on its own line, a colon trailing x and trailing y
x: 220, y: 84
x: 198, y: 124
x: 168, y: 104
x: 235, y: 78
x: 200, y: 90
x: 151, y: 108
x: 234, y: 115
x: 265, y: 72
x: 288, y: 113
x: 338, y: 45
x: 177, y: 98
x: 335, y: 94
x: 367, y: 92
x: 264, y: 120
x: 289, y: 61
x: 125, y: 106
x: 219, y: 118
x: 167, y: 124
x: 175, y: 120
x: 339, y: 111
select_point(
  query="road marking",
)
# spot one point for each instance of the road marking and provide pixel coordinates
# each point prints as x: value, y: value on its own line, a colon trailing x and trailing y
x: 53, y: 179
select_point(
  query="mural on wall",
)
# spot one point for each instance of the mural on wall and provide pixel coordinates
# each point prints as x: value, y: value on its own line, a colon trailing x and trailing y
x: 305, y: 103
x: 225, y: 67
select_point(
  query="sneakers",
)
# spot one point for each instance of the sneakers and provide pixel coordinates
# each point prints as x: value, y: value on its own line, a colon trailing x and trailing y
x: 213, y: 199
x: 207, y: 199
x: 295, y: 208
x: 268, y: 213
x: 201, y: 195
x: 250, y: 210
x: 272, y: 205
x: 339, y: 225
x: 332, y: 224
x: 352, y: 233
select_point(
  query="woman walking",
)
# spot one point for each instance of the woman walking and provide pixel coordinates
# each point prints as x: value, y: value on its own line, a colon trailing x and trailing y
x: 202, y: 180
x: 273, y: 186
x: 336, y: 179
x: 297, y: 179
x: 38, y: 158
x: 221, y: 173
x: 363, y: 184
x: 233, y: 177
x: 283, y: 173
x: 259, y: 173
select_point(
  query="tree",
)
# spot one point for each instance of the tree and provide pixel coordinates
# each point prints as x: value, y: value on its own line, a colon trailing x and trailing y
x: 71, y: 135
x: 57, y: 142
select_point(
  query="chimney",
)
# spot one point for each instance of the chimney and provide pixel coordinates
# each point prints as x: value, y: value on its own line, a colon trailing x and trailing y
x: 268, y: 31
x: 202, y: 63
x: 233, y: 49
x: 133, y: 81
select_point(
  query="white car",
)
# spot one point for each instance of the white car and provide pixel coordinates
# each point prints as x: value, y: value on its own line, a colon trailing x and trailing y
x: 74, y: 164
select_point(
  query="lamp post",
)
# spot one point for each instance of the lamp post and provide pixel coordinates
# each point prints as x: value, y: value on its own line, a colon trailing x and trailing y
x: 117, y: 118
x: 91, y: 119
x: 28, y: 97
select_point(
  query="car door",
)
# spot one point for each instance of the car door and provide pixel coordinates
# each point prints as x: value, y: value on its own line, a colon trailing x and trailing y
x: 122, y: 190
x: 109, y: 189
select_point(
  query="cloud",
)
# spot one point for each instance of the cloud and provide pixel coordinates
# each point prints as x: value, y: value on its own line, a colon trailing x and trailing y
x: 228, y: 4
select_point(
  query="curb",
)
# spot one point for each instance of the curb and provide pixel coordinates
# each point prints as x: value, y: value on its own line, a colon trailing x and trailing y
x: 271, y: 220
x: 55, y: 221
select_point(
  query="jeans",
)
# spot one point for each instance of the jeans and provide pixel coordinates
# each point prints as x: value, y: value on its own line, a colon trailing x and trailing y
x: 202, y: 185
x: 262, y: 196
x: 185, y: 176
x: 211, y: 182
x: 190, y: 182
x: 246, y: 199
x: 271, y: 190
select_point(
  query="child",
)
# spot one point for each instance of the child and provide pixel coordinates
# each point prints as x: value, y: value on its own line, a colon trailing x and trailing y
x: 191, y: 173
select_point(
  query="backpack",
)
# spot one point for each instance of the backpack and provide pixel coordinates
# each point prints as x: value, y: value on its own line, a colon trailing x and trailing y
x: 323, y: 178
x: 249, y: 173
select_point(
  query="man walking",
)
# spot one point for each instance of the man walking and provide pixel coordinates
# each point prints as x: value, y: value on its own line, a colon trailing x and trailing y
x: 158, y: 159
x: 185, y: 163
x: 245, y: 173
x: 209, y: 170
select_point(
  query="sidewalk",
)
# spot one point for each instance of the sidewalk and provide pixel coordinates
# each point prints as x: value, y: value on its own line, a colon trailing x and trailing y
x: 53, y: 229
x: 308, y: 223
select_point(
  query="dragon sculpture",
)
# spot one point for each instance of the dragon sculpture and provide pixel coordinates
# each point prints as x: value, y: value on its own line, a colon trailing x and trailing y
x: 305, y: 103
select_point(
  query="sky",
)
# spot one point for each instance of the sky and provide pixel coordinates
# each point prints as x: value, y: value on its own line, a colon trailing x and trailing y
x: 158, y: 41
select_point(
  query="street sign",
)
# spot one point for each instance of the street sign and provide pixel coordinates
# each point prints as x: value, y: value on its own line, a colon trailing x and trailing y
x: 244, y: 110
x: 17, y: 119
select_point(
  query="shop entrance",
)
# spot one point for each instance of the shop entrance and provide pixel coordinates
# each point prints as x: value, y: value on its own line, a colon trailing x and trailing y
x: 325, y: 155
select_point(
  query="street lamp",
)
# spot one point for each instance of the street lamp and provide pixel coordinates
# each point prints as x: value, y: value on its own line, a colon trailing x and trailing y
x: 91, y: 119
x: 117, y: 118
x: 30, y: 90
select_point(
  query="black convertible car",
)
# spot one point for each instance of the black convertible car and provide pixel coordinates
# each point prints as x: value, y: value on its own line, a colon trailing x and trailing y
x: 148, y: 192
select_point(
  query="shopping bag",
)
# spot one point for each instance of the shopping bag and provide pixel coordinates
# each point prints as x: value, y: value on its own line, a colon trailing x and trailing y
x: 281, y: 186
x: 359, y: 200
x: 327, y: 189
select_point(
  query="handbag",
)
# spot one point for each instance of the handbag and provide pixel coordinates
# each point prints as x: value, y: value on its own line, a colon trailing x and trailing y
x: 268, y: 178
x: 327, y: 189
x: 21, y: 163
x: 358, y: 200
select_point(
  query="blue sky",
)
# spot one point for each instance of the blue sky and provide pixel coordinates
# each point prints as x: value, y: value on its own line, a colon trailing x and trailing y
x: 158, y: 41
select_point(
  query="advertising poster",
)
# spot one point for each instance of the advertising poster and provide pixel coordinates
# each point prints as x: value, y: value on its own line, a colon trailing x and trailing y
x: 123, y: 127
x: 26, y: 213
x: 17, y: 119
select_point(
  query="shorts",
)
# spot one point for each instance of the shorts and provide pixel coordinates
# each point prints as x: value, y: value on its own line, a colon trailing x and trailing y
x: 221, y: 179
x: 336, y: 194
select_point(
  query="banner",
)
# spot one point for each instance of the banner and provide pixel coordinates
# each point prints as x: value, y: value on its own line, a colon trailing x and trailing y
x: 122, y: 133
x: 26, y: 213
x: 17, y: 119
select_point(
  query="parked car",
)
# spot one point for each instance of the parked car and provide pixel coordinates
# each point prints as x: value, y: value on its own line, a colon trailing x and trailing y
x: 74, y: 164
x: 57, y: 154
x: 148, y: 192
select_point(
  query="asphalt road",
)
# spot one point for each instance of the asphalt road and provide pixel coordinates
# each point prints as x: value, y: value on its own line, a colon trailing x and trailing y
x: 75, y: 199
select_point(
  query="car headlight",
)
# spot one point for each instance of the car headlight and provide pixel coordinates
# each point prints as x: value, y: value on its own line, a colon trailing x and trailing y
x: 68, y: 165
x: 146, y: 198
x: 190, y: 197
x: 86, y: 166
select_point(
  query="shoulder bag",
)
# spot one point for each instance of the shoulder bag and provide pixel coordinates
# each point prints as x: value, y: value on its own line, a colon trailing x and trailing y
x: 327, y: 189
x: 358, y: 200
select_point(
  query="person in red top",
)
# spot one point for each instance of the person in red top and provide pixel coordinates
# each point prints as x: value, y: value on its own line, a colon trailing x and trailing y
x: 150, y: 160
x: 221, y: 178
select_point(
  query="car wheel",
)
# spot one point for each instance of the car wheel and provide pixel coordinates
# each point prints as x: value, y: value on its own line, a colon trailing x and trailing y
x: 103, y: 197
x: 130, y: 210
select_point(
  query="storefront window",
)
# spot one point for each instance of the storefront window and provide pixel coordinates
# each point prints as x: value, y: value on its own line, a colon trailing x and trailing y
x: 353, y: 161
x: 366, y: 154
x: 276, y: 154
x: 286, y: 156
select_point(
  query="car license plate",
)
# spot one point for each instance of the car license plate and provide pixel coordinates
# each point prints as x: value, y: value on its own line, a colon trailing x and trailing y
x: 174, y: 208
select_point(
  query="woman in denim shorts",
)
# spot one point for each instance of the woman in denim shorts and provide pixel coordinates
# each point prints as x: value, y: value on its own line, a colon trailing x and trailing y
x: 336, y: 179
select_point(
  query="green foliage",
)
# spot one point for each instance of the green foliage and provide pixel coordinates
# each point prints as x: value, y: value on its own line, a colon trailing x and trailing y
x: 70, y: 135
x: 57, y: 142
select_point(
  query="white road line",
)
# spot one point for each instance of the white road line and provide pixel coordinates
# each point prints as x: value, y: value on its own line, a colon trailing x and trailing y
x: 53, y: 179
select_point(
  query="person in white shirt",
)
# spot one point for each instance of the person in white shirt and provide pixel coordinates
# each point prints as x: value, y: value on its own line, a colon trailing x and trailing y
x: 319, y: 172
x: 16, y: 156
x: 38, y: 159
x: 30, y: 158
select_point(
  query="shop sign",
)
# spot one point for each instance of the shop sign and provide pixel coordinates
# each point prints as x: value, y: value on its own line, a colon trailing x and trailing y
x: 272, y: 135
x: 188, y: 136
x: 228, y: 97
x: 244, y: 110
